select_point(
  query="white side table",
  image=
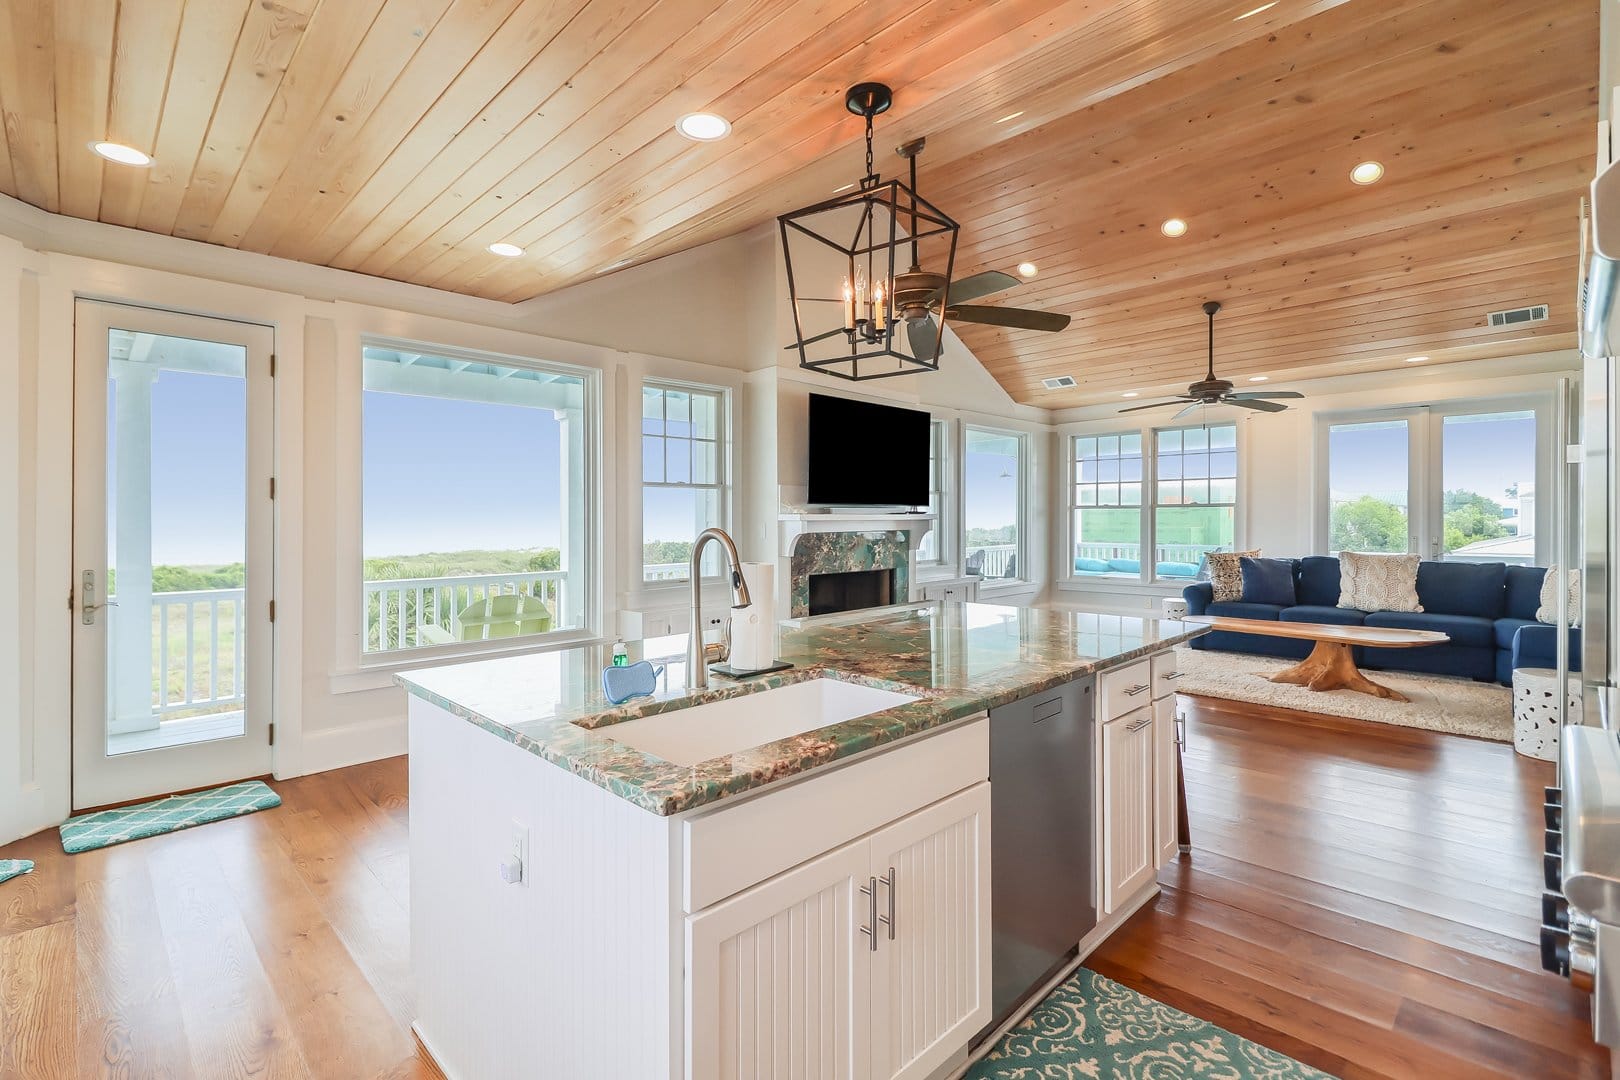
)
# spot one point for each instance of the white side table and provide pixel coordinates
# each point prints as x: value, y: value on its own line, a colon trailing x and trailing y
x: 1173, y: 607
x: 1535, y: 711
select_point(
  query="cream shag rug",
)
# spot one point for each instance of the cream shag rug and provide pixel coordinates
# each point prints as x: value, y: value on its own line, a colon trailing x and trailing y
x: 1454, y: 706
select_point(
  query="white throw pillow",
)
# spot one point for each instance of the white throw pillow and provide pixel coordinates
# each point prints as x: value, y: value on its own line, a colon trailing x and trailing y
x: 1548, y: 611
x: 1375, y: 582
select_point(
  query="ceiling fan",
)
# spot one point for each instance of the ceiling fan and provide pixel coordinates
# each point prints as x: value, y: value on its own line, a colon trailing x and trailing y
x: 1213, y: 391
x: 919, y: 295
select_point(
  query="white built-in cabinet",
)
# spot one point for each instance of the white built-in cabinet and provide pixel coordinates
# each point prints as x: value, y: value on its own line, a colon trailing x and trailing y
x: 871, y: 960
x: 951, y: 590
x: 1137, y: 790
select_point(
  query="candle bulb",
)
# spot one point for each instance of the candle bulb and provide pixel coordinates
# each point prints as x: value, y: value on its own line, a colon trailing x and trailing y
x: 879, y: 307
x: 849, y: 306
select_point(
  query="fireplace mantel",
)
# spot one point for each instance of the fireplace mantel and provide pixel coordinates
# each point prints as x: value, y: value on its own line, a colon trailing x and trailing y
x: 792, y: 526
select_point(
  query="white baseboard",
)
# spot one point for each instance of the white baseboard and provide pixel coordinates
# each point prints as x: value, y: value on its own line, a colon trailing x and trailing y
x: 353, y: 744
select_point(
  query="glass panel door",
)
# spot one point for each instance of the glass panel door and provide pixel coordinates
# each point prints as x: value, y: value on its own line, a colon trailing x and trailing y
x: 172, y: 553
x: 1369, y: 486
x: 1488, y: 476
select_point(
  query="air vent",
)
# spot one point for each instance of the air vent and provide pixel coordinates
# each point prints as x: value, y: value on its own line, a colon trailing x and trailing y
x: 1536, y: 313
x: 1062, y: 382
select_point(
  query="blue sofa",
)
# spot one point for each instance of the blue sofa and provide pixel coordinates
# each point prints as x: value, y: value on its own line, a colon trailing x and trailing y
x: 1487, y: 609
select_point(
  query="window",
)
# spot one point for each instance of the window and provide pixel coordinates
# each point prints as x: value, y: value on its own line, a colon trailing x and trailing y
x: 1368, y: 471
x: 1107, y: 507
x: 473, y: 517
x: 930, y: 551
x: 683, y: 477
x: 1194, y: 497
x: 1452, y: 481
x: 992, y: 503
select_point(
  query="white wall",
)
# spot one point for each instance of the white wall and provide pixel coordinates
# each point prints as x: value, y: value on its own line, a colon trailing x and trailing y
x: 1277, y: 451
x: 707, y: 316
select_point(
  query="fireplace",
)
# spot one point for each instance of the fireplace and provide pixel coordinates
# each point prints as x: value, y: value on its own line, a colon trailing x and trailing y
x: 850, y: 590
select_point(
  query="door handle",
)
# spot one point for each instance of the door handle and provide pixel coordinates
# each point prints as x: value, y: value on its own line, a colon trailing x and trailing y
x: 87, y: 600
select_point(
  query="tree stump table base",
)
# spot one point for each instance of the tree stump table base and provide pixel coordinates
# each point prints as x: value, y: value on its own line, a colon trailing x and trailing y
x: 1331, y: 666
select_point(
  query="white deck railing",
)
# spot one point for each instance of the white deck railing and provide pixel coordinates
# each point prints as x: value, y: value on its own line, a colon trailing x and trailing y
x: 395, y: 611
x: 994, y: 559
x: 208, y: 682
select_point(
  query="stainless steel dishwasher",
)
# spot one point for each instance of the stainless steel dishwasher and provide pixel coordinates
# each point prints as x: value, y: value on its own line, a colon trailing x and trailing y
x: 1043, y: 892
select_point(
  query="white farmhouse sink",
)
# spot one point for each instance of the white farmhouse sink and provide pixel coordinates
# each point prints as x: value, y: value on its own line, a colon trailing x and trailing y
x: 716, y: 728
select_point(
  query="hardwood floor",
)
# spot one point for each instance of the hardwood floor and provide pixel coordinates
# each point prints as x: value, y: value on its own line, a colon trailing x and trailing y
x: 271, y: 945
x: 1364, y: 898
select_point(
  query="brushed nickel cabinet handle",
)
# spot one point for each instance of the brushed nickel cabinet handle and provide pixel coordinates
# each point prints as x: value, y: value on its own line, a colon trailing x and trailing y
x: 1140, y: 724
x: 1132, y: 691
x: 888, y: 920
x: 869, y: 890
x: 1174, y: 675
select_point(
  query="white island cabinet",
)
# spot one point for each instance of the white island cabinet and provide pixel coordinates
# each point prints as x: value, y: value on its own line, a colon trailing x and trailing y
x: 833, y: 926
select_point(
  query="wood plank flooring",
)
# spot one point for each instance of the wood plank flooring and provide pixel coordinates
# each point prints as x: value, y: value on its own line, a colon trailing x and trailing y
x: 1361, y: 897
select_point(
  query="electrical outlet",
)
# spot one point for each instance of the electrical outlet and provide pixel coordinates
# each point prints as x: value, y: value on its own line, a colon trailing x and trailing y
x: 518, y: 851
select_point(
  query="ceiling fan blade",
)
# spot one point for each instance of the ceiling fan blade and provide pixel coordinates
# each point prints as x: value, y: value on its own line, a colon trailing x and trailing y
x: 1189, y: 410
x: 971, y: 288
x: 818, y: 337
x: 1155, y: 405
x: 1262, y: 406
x: 1261, y: 395
x: 923, y: 335
x: 1017, y: 318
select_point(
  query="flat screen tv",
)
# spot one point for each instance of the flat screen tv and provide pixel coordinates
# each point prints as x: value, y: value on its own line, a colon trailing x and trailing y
x: 867, y: 455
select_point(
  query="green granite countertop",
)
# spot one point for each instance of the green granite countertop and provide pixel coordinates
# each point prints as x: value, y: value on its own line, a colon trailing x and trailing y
x: 958, y: 659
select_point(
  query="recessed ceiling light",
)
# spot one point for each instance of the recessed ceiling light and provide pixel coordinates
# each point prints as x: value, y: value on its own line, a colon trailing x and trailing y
x: 510, y: 251
x: 1130, y: 393
x: 124, y: 155
x: 1256, y: 11
x: 702, y: 126
x: 1258, y: 378
x: 1174, y: 227
x: 1028, y: 269
x: 1011, y: 116
x: 1368, y: 172
x: 1416, y: 359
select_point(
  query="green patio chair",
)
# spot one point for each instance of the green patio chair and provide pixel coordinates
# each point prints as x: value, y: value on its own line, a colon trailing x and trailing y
x: 507, y: 615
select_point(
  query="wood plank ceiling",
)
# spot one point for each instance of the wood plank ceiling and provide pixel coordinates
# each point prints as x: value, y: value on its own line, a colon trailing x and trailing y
x: 400, y: 137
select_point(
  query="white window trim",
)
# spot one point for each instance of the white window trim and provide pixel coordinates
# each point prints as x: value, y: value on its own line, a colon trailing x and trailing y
x: 1144, y: 582
x: 1150, y: 567
x: 1425, y: 464
x: 944, y: 565
x: 724, y: 463
x: 998, y: 585
x: 365, y: 668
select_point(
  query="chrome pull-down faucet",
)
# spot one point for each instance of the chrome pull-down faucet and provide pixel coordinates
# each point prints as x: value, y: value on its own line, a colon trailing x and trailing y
x: 697, y: 664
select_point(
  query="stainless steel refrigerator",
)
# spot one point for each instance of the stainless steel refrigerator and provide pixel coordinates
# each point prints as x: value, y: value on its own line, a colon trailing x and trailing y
x: 1596, y: 497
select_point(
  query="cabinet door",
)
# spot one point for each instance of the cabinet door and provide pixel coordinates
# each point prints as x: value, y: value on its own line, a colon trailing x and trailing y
x: 1164, y: 779
x: 1127, y: 797
x: 931, y: 971
x: 778, y: 977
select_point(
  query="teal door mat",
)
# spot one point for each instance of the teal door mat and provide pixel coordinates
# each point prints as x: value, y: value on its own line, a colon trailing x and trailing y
x: 10, y: 868
x: 105, y: 828
x: 1094, y: 1027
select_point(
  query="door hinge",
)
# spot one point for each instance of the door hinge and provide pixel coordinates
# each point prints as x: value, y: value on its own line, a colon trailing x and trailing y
x: 272, y: 611
x: 272, y: 733
x: 272, y: 365
x: 272, y: 487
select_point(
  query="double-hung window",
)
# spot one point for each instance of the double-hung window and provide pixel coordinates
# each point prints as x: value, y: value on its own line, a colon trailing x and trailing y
x: 684, y: 484
x: 1194, y: 497
x: 1107, y: 509
x: 993, y: 465
x: 474, y: 504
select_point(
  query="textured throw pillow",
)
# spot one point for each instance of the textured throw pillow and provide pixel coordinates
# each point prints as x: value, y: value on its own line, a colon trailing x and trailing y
x: 1548, y: 611
x: 1372, y: 582
x: 1226, y: 573
x: 1268, y: 581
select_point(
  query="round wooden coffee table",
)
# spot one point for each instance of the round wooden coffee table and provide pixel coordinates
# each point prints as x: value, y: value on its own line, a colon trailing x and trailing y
x: 1331, y: 665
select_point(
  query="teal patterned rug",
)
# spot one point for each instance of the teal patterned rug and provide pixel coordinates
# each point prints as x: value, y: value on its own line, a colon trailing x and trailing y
x: 10, y: 868
x: 171, y: 814
x: 1094, y: 1028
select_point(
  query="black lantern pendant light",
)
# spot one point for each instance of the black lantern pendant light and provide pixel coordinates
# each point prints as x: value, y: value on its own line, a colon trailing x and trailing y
x: 864, y: 306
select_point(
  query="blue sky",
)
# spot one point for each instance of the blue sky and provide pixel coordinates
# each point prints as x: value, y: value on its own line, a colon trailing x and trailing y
x: 199, y: 469
x: 990, y: 499
x: 1479, y: 456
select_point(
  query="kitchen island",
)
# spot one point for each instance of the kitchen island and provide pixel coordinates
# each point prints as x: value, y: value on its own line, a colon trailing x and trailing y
x: 706, y: 883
